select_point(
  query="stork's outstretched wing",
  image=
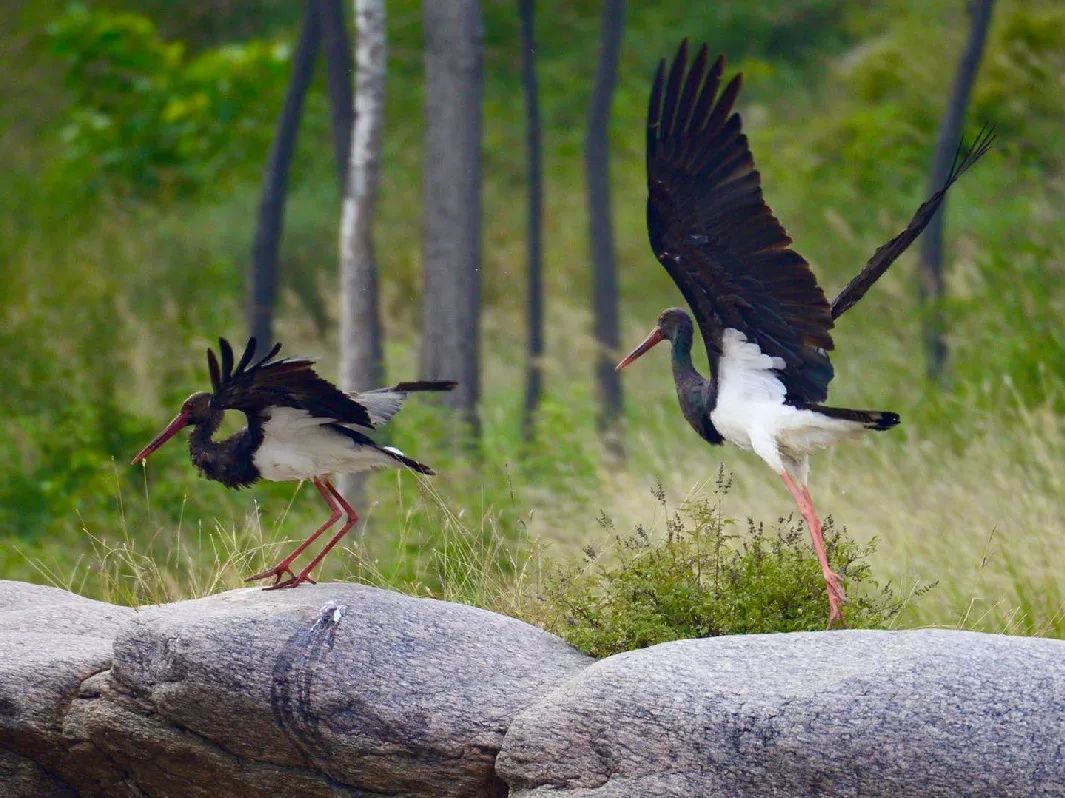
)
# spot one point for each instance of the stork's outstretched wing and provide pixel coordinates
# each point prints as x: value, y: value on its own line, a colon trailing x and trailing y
x: 253, y: 387
x: 384, y: 403
x: 964, y: 157
x: 712, y: 230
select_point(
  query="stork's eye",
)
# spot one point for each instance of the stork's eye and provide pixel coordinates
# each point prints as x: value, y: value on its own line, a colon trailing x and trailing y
x: 196, y: 404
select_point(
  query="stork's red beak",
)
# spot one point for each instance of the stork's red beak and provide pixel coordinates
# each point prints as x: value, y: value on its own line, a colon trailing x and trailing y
x: 656, y: 337
x: 180, y: 420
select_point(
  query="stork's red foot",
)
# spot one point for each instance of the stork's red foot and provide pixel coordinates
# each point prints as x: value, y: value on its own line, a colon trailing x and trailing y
x: 295, y: 581
x: 277, y: 572
x: 836, y: 597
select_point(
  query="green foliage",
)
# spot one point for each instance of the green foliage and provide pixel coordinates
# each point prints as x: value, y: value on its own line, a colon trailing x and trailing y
x: 124, y: 257
x: 1020, y: 83
x: 704, y: 579
x: 146, y: 117
x: 143, y: 556
x: 76, y: 299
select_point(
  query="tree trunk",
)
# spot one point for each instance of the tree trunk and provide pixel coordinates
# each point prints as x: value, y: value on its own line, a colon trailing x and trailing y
x: 932, y: 284
x: 262, y: 275
x: 361, y: 358
x: 601, y: 228
x: 452, y: 201
x: 534, y: 248
x: 338, y: 72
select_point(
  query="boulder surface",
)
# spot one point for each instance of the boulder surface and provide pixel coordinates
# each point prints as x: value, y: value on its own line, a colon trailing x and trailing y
x: 337, y: 689
x: 51, y: 641
x: 347, y: 690
x: 929, y: 713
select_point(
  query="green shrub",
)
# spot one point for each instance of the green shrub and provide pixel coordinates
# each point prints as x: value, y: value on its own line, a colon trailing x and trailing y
x: 703, y: 579
x: 146, y: 117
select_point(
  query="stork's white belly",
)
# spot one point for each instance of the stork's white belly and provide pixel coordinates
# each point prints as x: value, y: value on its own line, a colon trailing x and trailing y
x: 751, y: 413
x: 297, y: 446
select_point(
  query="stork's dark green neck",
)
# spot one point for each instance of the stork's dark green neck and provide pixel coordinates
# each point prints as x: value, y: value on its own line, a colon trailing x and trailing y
x: 204, y: 428
x: 682, y: 354
x: 228, y: 461
x: 696, y: 394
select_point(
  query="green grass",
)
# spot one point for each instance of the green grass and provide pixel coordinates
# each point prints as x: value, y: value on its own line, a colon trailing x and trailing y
x: 432, y: 551
x: 108, y: 302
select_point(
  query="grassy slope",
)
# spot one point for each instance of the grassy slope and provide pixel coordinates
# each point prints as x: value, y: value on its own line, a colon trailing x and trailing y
x: 111, y: 302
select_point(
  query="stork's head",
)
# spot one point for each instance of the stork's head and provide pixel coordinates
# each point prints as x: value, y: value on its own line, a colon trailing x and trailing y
x: 671, y: 323
x: 194, y: 410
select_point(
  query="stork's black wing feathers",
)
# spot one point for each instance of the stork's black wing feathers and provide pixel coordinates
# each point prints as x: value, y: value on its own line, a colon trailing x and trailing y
x: 249, y: 352
x: 253, y: 387
x: 227, y: 356
x: 712, y: 230
x: 213, y: 370
x: 964, y: 158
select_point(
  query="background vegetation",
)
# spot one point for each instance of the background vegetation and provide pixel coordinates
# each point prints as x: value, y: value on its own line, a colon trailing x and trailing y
x: 133, y: 137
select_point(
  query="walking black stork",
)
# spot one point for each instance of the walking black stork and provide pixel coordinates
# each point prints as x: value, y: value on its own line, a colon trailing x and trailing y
x: 300, y: 426
x: 764, y: 320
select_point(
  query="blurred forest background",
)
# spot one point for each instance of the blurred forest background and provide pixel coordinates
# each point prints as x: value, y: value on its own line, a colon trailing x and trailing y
x: 135, y: 137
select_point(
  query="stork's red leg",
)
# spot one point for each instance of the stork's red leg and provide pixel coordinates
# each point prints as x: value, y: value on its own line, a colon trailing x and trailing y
x: 832, y: 581
x: 352, y: 519
x: 283, y: 567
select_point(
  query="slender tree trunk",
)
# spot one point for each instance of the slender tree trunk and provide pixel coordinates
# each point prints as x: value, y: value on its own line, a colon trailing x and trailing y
x: 361, y: 358
x: 262, y: 274
x: 601, y: 227
x: 452, y: 200
x: 534, y: 235
x: 932, y: 283
x: 338, y: 75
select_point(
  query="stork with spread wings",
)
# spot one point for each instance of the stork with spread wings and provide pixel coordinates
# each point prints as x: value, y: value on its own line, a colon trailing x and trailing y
x: 764, y: 320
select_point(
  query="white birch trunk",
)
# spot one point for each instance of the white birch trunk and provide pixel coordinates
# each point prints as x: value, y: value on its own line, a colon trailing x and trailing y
x: 361, y: 364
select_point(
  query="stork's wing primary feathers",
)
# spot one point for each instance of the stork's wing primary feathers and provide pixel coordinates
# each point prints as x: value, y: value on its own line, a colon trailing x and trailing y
x: 712, y: 230
x: 253, y: 387
x: 964, y: 158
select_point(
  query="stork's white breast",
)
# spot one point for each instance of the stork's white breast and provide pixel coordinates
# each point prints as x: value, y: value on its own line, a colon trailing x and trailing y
x: 750, y: 394
x: 751, y: 412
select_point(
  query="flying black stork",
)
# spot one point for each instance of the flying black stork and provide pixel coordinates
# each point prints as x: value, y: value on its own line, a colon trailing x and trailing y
x: 300, y: 426
x: 763, y: 318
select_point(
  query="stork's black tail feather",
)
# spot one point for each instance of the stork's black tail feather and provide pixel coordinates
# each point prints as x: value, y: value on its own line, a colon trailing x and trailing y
x: 424, y: 385
x: 879, y: 420
x: 409, y: 462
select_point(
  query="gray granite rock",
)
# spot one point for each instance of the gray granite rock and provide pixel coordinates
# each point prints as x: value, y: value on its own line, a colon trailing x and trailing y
x: 50, y: 642
x: 334, y: 689
x: 344, y: 690
x: 24, y: 777
x: 25, y: 607
x: 859, y: 713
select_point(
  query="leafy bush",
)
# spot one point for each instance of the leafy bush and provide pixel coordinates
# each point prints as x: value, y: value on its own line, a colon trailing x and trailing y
x: 146, y: 117
x: 702, y: 579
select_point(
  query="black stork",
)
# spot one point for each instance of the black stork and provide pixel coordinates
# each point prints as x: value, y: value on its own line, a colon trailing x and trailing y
x: 300, y: 426
x: 763, y: 318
